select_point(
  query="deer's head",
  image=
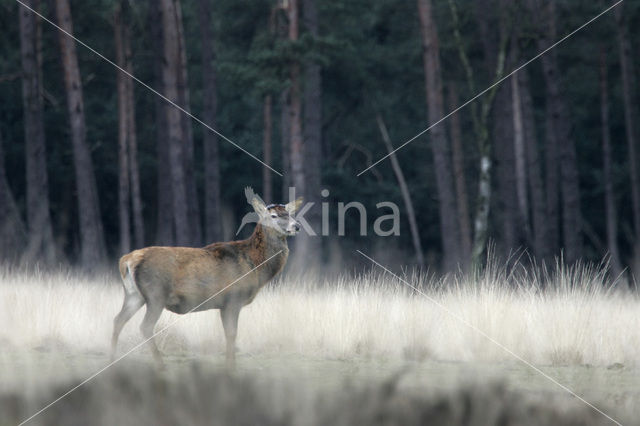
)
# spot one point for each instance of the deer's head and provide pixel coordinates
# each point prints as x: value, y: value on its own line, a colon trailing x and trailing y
x: 275, y: 216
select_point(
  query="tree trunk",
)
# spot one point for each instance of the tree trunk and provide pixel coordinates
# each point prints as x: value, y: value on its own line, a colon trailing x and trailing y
x: 296, y: 142
x: 520, y: 159
x: 193, y: 206
x: 41, y: 246
x: 123, y: 134
x: 267, y: 119
x: 129, y: 196
x: 285, y: 131
x: 165, y: 230
x: 210, y: 139
x: 91, y: 234
x: 630, y: 117
x: 457, y: 154
x: 493, y: 32
x: 571, y: 212
x: 12, y: 229
x: 442, y: 161
x: 312, y: 131
x: 503, y: 149
x: 536, y: 185
x: 609, y: 192
x: 552, y: 161
x: 295, y: 109
x: 170, y: 77
x: 481, y: 219
x: 552, y: 182
x: 480, y: 115
x: 404, y: 189
x: 132, y: 139
x: 559, y: 129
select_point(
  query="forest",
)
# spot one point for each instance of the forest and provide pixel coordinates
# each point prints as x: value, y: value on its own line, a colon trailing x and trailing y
x: 146, y: 130
x: 466, y: 250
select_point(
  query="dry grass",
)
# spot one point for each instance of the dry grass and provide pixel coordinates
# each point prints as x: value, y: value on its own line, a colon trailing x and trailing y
x: 575, y: 320
x: 56, y: 330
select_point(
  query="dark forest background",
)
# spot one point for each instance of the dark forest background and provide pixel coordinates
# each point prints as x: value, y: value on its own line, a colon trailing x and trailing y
x: 93, y: 164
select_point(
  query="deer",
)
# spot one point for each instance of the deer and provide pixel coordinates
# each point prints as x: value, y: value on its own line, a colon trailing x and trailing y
x: 223, y: 275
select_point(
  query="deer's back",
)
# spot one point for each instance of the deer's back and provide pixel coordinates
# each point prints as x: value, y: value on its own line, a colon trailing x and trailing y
x: 182, y: 277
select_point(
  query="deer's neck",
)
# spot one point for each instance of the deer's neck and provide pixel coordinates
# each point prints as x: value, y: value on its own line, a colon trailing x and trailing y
x: 267, y: 243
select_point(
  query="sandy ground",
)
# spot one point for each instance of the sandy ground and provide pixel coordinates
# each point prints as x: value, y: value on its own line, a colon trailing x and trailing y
x: 614, y: 389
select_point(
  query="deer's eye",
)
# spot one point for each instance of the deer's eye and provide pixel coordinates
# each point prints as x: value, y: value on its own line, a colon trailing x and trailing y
x: 273, y: 215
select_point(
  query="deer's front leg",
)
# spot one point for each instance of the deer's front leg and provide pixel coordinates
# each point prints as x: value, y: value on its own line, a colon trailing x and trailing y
x: 229, y: 315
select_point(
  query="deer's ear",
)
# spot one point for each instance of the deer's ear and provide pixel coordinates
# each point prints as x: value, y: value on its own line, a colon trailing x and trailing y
x: 259, y: 206
x: 255, y: 201
x: 294, y: 205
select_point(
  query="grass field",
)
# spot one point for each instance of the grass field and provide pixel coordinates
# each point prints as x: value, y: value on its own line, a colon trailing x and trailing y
x: 336, y: 347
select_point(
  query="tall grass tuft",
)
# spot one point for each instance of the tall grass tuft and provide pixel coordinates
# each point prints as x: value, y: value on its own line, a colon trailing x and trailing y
x: 568, y: 315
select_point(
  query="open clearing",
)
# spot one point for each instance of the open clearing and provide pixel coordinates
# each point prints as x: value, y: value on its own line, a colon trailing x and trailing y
x: 313, y: 341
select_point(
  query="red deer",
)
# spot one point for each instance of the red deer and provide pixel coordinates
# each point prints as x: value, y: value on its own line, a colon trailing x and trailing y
x: 185, y: 279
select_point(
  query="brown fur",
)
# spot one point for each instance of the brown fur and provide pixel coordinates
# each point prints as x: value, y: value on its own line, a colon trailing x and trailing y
x: 195, y: 274
x: 223, y: 276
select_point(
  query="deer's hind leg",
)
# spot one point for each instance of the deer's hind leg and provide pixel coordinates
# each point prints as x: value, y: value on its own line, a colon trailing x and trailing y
x: 132, y: 302
x: 154, y: 310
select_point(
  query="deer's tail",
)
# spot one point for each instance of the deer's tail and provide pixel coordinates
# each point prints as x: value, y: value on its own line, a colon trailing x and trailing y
x: 127, y: 265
